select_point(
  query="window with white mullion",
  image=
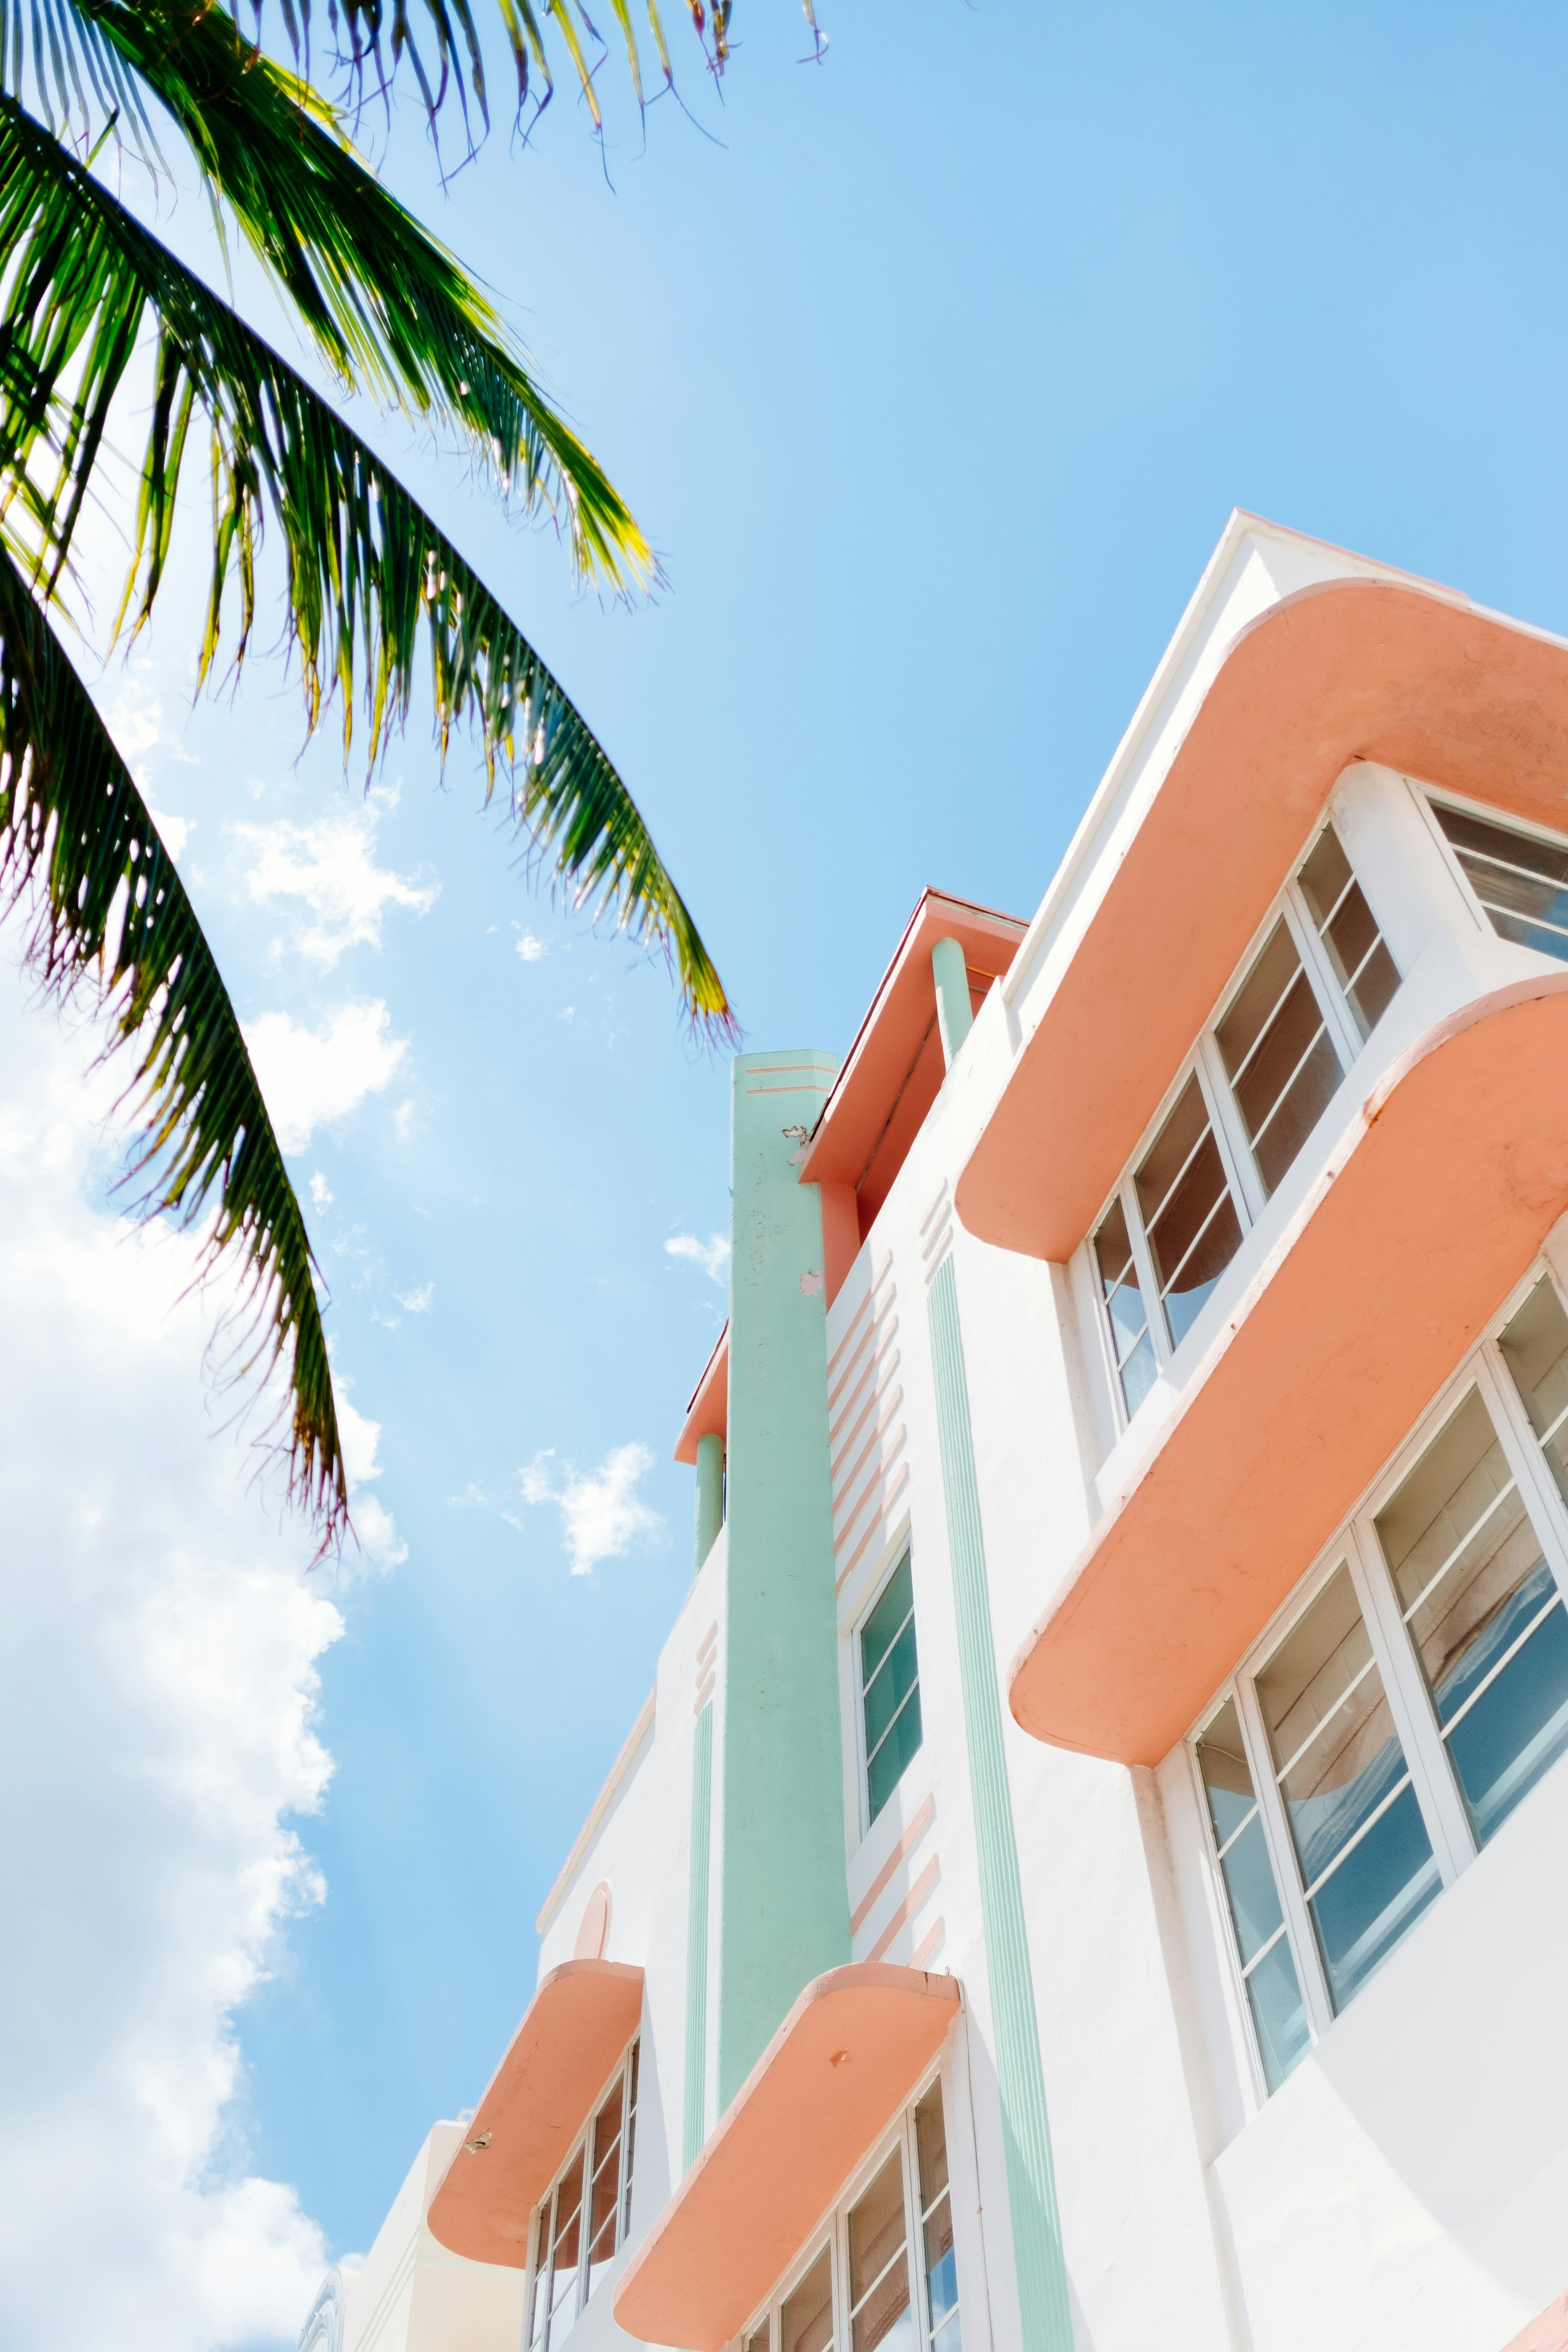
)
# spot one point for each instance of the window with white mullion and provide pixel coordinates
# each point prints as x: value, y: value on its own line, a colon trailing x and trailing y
x: 1275, y: 1839
x: 582, y: 2221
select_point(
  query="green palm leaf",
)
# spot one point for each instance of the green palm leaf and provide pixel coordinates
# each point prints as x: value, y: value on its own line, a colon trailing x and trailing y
x: 77, y: 841
x: 391, y: 310
x: 369, y: 574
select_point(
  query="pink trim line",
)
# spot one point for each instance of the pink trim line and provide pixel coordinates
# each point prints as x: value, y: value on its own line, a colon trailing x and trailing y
x: 907, y: 1908
x: 881, y: 1340
x: 911, y: 1837
x: 871, y: 1289
x: 874, y: 1398
x: 707, y: 1642
x: 928, y: 1950
x: 889, y: 1416
x: 1547, y: 2332
x: 704, y: 1696
x: 889, y: 1499
x: 846, y: 1521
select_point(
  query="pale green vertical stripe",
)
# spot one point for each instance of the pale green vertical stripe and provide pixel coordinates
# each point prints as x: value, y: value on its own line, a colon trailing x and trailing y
x: 694, y: 2120
x: 1031, y: 2179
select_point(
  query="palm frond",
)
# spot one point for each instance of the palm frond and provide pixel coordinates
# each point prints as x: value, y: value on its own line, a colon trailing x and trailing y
x: 77, y: 844
x: 369, y: 573
x: 391, y: 310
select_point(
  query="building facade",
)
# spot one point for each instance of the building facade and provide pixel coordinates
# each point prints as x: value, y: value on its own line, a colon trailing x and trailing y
x: 1092, y: 1872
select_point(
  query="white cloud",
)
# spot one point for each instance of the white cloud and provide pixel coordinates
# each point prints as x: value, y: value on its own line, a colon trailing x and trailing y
x: 416, y: 1302
x: 159, y: 1644
x: 408, y: 1121
x: 322, y: 1193
x: 173, y: 832
x: 600, y: 1508
x: 530, y: 948
x: 712, y: 1255
x: 311, y: 1077
x: 330, y: 867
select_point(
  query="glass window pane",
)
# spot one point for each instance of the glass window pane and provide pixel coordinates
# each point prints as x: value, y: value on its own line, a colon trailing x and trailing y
x: 1482, y: 1603
x: 936, y: 2205
x: 805, y: 2323
x: 1522, y: 883
x: 1191, y: 1221
x: 878, y: 2266
x: 1535, y: 1348
x: 890, y: 1699
x: 564, y: 2253
x: 1268, y: 1964
x: 758, y: 2340
x: 888, y: 1689
x: 603, y: 2204
x: 1367, y: 1866
x: 538, y: 2307
x: 1278, y: 1055
x: 892, y: 1758
x: 1130, y: 1344
x: 882, y: 1626
x: 631, y: 2136
x: 1366, y: 973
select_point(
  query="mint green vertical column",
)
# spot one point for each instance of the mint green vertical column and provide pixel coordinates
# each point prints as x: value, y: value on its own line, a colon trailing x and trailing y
x: 783, y: 1904
x: 1031, y: 2178
x: 694, y: 2116
x: 709, y: 1513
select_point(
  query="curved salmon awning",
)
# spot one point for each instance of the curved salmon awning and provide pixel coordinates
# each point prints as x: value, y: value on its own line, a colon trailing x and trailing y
x: 1432, y: 1207
x: 1350, y: 670
x: 575, y: 2027
x: 840, y: 2066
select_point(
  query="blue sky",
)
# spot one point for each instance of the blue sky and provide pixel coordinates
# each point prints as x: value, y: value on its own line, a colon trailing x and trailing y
x: 934, y: 384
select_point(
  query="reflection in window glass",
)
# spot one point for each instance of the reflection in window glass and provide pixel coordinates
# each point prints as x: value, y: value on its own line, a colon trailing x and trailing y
x: 1365, y: 971
x: 1483, y: 1607
x: 879, y: 2310
x: 605, y: 2197
x: 1130, y: 1335
x: 1188, y: 1214
x: 1367, y: 1866
x: 936, y: 2224
x: 889, y: 1687
x: 1268, y: 1968
x: 1522, y: 883
x: 1277, y: 1054
x: 805, y: 2323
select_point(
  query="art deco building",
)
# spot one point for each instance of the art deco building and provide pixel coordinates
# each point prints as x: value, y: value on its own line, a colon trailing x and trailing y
x: 1092, y: 1870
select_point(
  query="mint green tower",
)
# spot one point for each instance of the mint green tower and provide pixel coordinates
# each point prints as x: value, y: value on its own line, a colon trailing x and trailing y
x: 784, y: 1906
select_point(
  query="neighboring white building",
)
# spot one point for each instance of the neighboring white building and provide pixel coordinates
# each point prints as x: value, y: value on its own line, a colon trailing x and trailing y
x: 1093, y: 1869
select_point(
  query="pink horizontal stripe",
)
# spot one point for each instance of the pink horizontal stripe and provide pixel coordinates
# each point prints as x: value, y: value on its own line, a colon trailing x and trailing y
x: 928, y: 1949
x: 704, y: 1696
x: 848, y: 1512
x: 889, y: 1499
x: 906, y: 1910
x: 911, y: 1837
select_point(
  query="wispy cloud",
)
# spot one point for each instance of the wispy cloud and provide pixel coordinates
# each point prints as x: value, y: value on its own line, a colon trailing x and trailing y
x: 416, y: 1302
x: 311, y: 1077
x: 322, y: 1193
x: 330, y: 868
x: 600, y: 1508
x: 712, y: 1255
x: 532, y: 949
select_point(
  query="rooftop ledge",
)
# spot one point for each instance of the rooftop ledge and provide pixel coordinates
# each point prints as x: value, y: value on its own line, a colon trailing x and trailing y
x: 1353, y: 669
x: 574, y: 2028
x: 837, y: 2071
x: 1435, y: 1202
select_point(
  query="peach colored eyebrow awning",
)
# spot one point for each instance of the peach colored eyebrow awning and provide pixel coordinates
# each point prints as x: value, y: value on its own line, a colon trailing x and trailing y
x: 1349, y: 671
x: 845, y: 2060
x: 1442, y: 1191
x: 573, y: 2029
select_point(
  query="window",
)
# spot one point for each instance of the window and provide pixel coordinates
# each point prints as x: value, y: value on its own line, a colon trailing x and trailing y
x: 1261, y: 1077
x: 886, y: 2276
x: 1520, y: 879
x: 584, y: 2219
x: 889, y: 1687
x: 1375, y: 1745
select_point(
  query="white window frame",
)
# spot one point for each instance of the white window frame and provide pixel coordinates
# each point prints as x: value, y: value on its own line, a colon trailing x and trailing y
x: 540, y: 2221
x: 1354, y: 1545
x: 903, y: 1549
x: 833, y: 2231
x: 1237, y: 1157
